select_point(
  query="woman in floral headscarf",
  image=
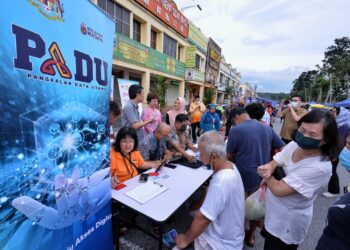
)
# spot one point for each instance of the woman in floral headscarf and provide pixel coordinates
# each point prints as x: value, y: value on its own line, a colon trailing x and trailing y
x: 179, y: 108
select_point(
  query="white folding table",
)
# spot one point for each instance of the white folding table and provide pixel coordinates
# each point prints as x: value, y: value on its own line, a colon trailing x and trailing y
x: 181, y: 183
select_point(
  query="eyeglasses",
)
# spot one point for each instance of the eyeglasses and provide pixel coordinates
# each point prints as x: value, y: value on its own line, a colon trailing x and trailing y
x: 127, y: 142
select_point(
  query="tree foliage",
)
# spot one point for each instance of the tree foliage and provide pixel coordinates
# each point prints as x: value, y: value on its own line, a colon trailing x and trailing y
x: 274, y: 96
x: 330, y: 81
x: 208, y: 96
x: 159, y: 88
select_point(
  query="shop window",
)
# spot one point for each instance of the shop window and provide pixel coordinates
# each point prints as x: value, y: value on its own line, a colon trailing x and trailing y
x: 221, y: 78
x: 117, y: 13
x: 153, y: 39
x: 198, y: 62
x: 169, y: 46
x: 137, y: 30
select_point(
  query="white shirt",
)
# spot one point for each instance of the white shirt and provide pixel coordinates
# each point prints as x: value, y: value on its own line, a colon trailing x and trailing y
x: 288, y: 218
x: 224, y: 207
x: 266, y: 117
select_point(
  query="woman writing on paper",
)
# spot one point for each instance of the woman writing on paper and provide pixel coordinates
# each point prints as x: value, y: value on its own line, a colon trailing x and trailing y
x: 125, y: 160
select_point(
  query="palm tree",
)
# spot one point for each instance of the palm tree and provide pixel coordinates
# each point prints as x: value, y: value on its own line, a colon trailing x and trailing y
x: 159, y: 88
x: 208, y: 96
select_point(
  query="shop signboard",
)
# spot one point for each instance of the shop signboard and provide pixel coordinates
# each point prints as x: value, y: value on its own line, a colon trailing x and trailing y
x: 190, y: 57
x: 197, y: 38
x: 124, y: 86
x: 55, y: 76
x: 213, y: 62
x: 131, y: 51
x: 194, y: 75
x: 167, y: 11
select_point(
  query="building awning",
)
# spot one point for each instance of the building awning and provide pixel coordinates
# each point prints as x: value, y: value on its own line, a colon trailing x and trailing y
x: 194, y: 83
x: 209, y: 85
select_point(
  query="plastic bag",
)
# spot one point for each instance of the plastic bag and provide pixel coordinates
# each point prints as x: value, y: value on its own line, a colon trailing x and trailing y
x: 255, y: 205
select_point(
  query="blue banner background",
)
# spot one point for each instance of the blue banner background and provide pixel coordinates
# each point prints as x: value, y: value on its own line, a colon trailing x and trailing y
x: 54, y: 147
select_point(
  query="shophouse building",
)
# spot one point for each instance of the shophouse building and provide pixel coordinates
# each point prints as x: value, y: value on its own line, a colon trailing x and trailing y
x: 150, y: 41
x: 212, y: 66
x: 225, y: 82
x: 196, y: 55
x: 247, y: 91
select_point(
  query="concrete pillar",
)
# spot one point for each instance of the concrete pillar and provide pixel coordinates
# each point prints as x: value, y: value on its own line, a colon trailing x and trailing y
x: 201, y: 92
x: 126, y: 74
x: 131, y: 25
x: 146, y: 79
x: 182, y: 88
x: 146, y: 34
x: 215, y: 95
x: 160, y: 40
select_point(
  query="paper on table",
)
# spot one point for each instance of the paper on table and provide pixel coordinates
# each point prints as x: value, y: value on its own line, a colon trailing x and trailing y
x: 190, y: 152
x: 146, y: 192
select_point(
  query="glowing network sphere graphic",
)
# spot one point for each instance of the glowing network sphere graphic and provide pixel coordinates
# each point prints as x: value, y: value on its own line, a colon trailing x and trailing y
x: 54, y: 129
x: 101, y: 129
x: 76, y: 118
x: 54, y: 152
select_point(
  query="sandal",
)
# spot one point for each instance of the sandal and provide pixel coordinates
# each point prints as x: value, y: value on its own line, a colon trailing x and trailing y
x: 249, y: 243
x: 155, y: 227
x: 123, y: 230
x: 123, y: 227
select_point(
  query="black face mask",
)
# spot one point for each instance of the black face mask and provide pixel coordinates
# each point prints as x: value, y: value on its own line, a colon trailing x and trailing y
x: 183, y: 128
x: 209, y: 166
x: 306, y: 142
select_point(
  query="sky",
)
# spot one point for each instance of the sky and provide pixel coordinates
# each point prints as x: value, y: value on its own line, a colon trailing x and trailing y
x: 271, y: 42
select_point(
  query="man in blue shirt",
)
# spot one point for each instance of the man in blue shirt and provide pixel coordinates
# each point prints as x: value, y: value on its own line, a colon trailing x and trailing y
x: 153, y: 146
x: 249, y: 146
x: 131, y: 116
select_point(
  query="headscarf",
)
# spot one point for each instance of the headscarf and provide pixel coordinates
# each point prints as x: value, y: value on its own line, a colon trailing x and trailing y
x: 343, y: 117
x: 173, y: 113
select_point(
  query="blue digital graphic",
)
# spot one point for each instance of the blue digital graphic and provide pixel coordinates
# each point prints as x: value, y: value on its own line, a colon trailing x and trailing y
x: 55, y: 72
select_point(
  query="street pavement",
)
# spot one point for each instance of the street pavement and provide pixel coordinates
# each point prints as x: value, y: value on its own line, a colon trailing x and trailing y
x: 134, y: 239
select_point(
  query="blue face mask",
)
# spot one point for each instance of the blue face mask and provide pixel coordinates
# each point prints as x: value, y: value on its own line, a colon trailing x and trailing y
x: 294, y: 104
x: 344, y: 158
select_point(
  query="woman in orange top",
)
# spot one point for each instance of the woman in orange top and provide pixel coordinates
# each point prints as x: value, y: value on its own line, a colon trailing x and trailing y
x: 125, y: 160
x: 196, y: 111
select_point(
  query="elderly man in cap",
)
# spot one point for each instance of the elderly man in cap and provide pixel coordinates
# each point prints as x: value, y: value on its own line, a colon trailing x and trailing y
x: 210, y: 119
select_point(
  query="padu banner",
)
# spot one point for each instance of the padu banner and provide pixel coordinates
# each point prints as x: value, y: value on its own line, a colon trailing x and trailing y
x: 55, y: 75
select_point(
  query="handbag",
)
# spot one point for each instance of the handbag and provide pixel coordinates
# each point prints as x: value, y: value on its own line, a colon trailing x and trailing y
x: 279, y: 173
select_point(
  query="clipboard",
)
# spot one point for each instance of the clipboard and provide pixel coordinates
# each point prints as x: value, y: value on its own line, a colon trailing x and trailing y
x: 146, y: 192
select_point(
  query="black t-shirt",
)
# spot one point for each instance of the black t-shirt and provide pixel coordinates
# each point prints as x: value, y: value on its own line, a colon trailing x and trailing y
x: 336, y: 234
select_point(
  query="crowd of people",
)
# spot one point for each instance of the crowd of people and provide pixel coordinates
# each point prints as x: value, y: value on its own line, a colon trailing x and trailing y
x: 294, y: 167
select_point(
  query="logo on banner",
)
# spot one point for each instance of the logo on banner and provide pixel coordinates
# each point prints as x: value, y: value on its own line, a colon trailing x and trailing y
x: 52, y: 9
x: 55, y: 60
x: 88, y: 31
x: 31, y: 45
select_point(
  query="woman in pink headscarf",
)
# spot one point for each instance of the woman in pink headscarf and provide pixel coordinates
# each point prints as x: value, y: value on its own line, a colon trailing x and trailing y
x: 179, y: 108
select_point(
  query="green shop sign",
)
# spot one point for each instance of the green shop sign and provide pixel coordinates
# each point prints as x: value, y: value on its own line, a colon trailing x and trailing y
x: 131, y: 51
x: 196, y: 37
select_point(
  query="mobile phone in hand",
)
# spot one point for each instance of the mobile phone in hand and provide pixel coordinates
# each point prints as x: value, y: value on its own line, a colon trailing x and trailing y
x: 169, y: 237
x: 143, y: 178
x: 169, y: 165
